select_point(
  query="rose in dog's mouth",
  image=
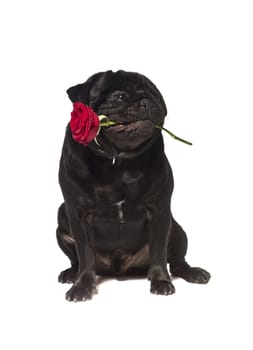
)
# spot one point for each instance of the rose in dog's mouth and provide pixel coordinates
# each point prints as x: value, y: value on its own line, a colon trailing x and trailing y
x: 85, y: 126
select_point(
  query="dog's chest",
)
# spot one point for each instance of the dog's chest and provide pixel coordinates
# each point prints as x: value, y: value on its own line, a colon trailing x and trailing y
x: 120, y: 195
x: 119, y: 185
x: 119, y: 214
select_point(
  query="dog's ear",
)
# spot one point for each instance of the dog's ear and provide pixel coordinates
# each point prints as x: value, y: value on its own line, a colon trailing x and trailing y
x: 89, y: 92
x: 100, y: 84
x: 74, y: 93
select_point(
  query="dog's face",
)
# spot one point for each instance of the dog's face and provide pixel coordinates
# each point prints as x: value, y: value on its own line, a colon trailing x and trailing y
x: 129, y: 99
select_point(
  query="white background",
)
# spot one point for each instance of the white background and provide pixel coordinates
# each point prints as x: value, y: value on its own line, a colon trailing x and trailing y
x: 199, y: 54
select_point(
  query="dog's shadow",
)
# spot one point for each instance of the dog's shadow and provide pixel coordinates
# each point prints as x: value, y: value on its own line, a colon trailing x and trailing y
x: 101, y: 279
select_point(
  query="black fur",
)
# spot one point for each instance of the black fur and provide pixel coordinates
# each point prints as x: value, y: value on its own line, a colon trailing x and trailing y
x: 116, y: 217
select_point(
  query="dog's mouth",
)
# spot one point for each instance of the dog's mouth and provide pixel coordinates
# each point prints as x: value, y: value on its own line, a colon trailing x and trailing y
x: 136, y: 128
x: 128, y: 135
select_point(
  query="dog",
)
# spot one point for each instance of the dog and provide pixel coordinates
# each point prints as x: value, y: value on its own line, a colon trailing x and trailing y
x: 116, y: 217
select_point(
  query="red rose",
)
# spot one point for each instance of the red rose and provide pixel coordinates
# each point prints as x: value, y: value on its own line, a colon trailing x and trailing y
x: 84, y: 123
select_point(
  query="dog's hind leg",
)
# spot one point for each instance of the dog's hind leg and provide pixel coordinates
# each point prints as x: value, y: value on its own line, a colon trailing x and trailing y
x: 177, y: 248
x: 67, y: 244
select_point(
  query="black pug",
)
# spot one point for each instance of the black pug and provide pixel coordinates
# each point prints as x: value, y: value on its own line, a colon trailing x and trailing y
x: 116, y: 217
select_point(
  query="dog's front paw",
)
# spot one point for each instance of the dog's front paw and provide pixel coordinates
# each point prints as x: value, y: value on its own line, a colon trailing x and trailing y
x: 160, y: 281
x: 82, y: 290
x: 81, y: 293
x: 162, y: 287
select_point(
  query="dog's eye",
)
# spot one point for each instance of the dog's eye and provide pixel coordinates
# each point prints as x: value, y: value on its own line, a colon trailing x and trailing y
x: 119, y: 96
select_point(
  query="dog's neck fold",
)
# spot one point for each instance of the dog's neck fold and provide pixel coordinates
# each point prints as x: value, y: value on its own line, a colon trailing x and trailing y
x: 114, y: 155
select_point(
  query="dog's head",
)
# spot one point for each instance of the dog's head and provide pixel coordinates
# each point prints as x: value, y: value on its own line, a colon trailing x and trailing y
x: 131, y: 100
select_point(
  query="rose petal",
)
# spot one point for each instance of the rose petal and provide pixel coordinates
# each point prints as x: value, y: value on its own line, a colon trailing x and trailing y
x: 84, y: 123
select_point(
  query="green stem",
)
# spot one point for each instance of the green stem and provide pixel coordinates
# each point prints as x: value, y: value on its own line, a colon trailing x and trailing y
x: 172, y: 135
x: 107, y: 123
x: 110, y: 123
